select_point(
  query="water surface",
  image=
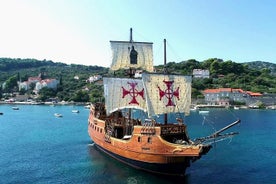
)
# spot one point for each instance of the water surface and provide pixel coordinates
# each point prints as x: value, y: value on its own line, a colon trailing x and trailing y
x: 37, y: 147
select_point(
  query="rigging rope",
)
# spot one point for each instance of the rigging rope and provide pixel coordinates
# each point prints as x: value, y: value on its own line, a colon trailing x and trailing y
x: 216, y: 136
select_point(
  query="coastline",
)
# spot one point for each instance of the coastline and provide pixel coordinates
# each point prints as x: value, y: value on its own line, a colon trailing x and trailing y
x: 193, y: 107
x: 236, y: 107
x: 45, y: 103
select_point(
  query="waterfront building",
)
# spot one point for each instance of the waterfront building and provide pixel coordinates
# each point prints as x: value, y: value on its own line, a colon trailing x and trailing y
x: 228, y: 96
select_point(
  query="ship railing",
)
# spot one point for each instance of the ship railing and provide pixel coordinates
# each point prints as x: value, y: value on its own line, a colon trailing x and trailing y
x: 148, y: 127
x: 172, y: 129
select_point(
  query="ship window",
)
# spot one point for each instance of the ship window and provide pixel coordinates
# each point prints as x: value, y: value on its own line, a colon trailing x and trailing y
x: 149, y: 139
x: 139, y: 139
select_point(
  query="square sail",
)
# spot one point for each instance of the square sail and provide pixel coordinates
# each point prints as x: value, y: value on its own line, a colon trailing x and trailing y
x: 122, y: 93
x: 167, y: 93
x: 121, y: 55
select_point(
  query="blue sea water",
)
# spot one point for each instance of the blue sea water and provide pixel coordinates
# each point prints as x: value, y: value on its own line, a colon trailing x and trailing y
x: 37, y: 147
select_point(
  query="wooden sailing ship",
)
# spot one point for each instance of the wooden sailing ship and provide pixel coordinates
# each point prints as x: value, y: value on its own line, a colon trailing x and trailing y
x: 129, y: 127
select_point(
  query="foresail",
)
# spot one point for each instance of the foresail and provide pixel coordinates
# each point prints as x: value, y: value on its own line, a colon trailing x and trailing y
x: 167, y: 93
x: 123, y: 93
x: 123, y: 57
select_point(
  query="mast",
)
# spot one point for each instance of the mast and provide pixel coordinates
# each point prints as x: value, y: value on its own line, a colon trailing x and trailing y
x: 130, y: 39
x: 165, y: 57
x: 165, y: 72
x: 131, y: 71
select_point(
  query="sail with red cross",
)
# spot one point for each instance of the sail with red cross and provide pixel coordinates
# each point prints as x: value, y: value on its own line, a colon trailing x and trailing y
x: 167, y: 93
x: 123, y: 93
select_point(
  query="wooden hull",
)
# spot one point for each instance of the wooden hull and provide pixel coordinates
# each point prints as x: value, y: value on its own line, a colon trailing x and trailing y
x: 145, y: 150
x: 177, y: 169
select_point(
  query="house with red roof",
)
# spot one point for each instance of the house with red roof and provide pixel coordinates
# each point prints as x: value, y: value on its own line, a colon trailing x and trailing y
x: 39, y: 83
x: 227, y: 96
x: 49, y: 83
x: 26, y: 84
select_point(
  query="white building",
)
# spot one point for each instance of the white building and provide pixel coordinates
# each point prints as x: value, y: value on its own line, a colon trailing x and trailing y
x: 26, y: 84
x: 199, y: 73
x: 138, y: 74
x: 23, y: 85
x: 94, y: 78
x: 49, y: 83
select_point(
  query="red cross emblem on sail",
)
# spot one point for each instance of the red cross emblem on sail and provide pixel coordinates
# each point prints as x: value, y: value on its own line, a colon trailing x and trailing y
x: 133, y: 92
x: 169, y: 93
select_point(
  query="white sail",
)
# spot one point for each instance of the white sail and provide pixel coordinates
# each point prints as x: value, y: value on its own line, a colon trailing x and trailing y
x: 121, y: 55
x: 123, y: 93
x: 167, y: 93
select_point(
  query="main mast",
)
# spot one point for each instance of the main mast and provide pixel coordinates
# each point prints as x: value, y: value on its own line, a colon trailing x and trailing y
x: 130, y: 39
x: 165, y: 57
x: 132, y: 57
x: 165, y: 72
x: 131, y: 72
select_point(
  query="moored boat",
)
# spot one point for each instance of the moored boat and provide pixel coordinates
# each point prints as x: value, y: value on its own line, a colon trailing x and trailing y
x: 58, y: 115
x: 142, y: 139
x: 203, y: 112
x: 75, y: 111
x: 15, y: 108
x: 236, y: 108
x: 87, y: 107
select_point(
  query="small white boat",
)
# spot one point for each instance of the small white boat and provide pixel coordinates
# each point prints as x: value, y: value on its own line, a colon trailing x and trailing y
x: 203, y: 112
x: 75, y: 111
x: 87, y: 107
x: 15, y: 108
x: 58, y: 115
x: 236, y: 108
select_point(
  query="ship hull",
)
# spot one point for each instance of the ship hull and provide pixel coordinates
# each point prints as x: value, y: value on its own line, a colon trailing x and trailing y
x: 173, y: 169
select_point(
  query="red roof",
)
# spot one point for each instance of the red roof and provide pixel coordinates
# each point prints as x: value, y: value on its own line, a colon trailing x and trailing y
x: 219, y: 90
x: 231, y: 90
x: 253, y: 94
x: 34, y: 79
x: 238, y: 90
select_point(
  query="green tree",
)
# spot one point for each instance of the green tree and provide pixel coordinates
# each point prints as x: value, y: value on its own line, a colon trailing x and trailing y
x: 11, y: 84
x: 215, y: 68
x: 80, y: 96
x: 32, y: 86
x: 46, y: 93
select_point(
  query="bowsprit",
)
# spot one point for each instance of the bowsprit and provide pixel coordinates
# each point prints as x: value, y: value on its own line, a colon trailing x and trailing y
x: 169, y: 93
x: 133, y: 92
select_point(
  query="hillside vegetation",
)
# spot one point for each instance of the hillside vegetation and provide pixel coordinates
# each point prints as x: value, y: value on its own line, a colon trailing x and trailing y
x: 69, y: 89
x: 253, y: 76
